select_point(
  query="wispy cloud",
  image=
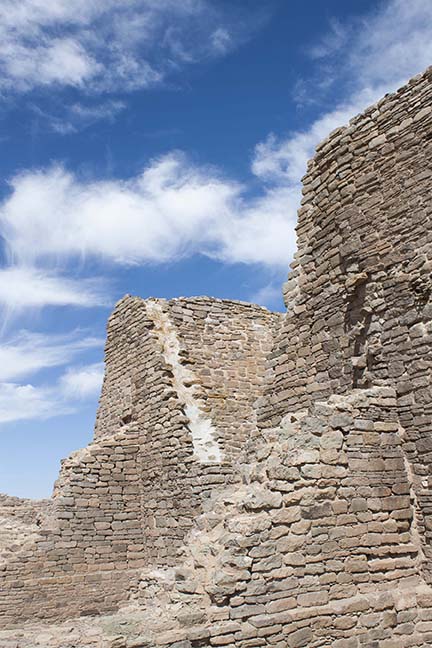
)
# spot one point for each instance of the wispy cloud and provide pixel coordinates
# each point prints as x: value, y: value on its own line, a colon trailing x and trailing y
x: 79, y: 116
x: 82, y: 382
x: 283, y: 160
x: 376, y: 51
x: 269, y: 295
x: 25, y: 402
x: 171, y: 210
x: 20, y: 402
x: 174, y: 209
x: 333, y: 40
x: 26, y: 286
x: 393, y: 43
x: 106, y: 45
x: 27, y: 352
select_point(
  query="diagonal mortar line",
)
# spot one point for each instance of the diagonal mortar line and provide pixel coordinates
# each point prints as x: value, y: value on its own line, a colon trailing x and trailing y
x: 204, y: 434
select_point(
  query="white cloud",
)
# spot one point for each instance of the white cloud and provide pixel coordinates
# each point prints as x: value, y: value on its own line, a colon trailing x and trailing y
x: 20, y: 402
x: 173, y: 209
x: 221, y: 40
x: 105, y: 110
x: 259, y: 230
x: 381, y: 48
x: 331, y: 43
x: 82, y: 382
x: 25, y: 286
x: 170, y: 210
x: 106, y: 45
x: 62, y: 61
x: 28, y: 352
x: 284, y: 160
x: 25, y: 402
x: 393, y: 43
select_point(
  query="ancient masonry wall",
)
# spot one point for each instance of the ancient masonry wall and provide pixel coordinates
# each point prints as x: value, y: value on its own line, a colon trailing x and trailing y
x: 170, y: 423
x: 358, y: 297
x: 327, y: 541
x: 316, y: 548
x: 305, y: 524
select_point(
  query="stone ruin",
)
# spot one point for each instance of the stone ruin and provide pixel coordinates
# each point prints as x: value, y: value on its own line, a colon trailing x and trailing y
x: 258, y: 479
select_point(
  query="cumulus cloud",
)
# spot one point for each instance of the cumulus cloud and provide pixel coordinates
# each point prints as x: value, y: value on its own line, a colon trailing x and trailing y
x: 172, y: 208
x: 106, y: 45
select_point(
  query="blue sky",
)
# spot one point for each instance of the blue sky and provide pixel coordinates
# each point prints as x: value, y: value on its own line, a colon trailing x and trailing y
x: 156, y: 148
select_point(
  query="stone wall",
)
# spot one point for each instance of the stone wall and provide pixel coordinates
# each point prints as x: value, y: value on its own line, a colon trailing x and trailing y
x: 359, y: 312
x: 316, y: 546
x: 169, y: 424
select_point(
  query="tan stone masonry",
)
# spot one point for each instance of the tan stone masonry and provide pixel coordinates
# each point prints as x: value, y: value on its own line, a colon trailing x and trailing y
x: 259, y: 480
x: 128, y: 499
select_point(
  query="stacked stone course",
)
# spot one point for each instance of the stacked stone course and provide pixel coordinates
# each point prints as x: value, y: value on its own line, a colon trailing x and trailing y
x: 255, y: 480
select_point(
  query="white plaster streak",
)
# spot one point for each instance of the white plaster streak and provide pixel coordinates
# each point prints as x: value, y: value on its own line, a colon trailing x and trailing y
x: 204, y: 435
